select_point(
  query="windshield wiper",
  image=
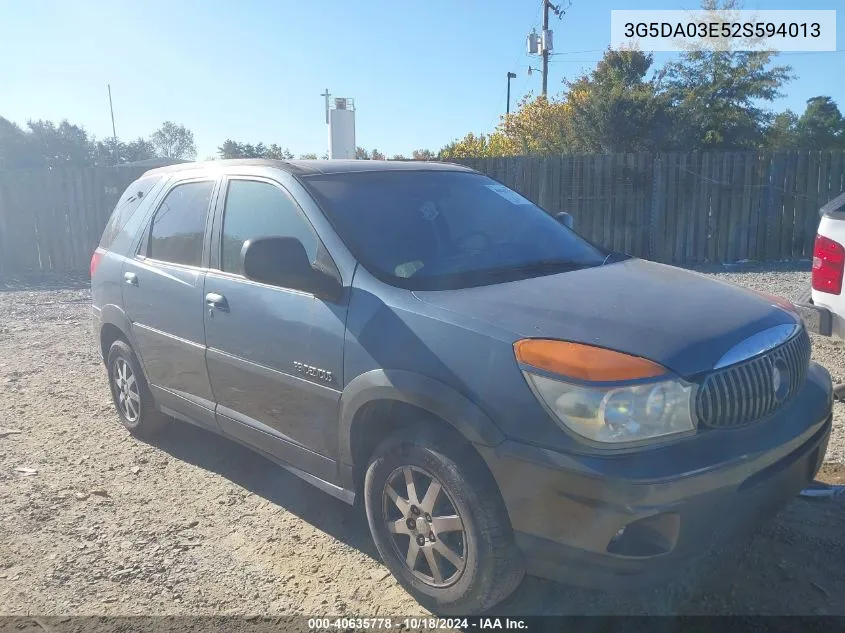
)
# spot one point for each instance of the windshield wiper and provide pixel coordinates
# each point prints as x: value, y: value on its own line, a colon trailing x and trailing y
x: 614, y: 256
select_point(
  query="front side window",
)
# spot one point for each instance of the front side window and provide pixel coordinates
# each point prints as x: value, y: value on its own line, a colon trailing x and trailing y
x: 431, y: 230
x: 178, y: 227
x: 259, y: 209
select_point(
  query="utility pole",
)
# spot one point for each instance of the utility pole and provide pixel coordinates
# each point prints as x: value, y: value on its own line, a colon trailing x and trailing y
x: 542, y: 44
x: 546, y: 4
x: 510, y: 76
x: 113, y: 132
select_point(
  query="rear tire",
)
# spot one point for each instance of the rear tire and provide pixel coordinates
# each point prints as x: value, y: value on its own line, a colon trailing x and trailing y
x: 130, y: 393
x: 458, y: 536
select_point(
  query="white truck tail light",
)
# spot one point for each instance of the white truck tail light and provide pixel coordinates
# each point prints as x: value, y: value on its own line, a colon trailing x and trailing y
x: 828, y: 265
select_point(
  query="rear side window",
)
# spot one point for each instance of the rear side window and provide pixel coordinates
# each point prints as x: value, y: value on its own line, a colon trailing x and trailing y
x: 259, y: 209
x: 178, y: 228
x: 131, y: 199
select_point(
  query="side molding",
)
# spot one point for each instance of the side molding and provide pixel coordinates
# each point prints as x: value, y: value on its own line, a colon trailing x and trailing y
x: 418, y: 390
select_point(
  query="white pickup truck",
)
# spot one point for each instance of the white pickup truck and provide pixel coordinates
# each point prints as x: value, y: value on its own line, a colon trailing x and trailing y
x: 822, y: 305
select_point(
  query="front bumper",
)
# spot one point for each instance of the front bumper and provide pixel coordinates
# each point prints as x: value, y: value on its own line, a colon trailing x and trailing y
x: 596, y: 521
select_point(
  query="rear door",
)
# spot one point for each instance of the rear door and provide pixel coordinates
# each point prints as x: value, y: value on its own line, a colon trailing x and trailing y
x: 163, y: 299
x: 275, y: 355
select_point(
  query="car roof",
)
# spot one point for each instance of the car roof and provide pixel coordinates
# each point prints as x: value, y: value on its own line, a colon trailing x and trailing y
x: 314, y: 167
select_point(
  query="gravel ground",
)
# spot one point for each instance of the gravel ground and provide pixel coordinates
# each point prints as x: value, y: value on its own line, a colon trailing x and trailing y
x: 195, y: 524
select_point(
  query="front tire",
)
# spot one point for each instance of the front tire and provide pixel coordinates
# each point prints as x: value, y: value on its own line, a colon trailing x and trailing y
x: 130, y: 392
x: 440, y: 524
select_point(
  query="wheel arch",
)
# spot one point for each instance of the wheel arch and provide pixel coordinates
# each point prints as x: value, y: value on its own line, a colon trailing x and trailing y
x: 408, y: 389
x: 114, y: 325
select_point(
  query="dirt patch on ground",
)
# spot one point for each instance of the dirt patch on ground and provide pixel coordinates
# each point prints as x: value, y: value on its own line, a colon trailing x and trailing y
x: 97, y: 522
x: 832, y: 474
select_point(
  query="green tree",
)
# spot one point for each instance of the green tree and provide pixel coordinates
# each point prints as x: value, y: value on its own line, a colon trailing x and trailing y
x: 16, y: 151
x: 615, y: 108
x: 234, y: 149
x: 63, y: 144
x: 277, y: 153
x: 139, y: 149
x: 308, y: 156
x: 470, y: 146
x: 230, y: 149
x: 423, y: 154
x: 822, y: 126
x: 720, y: 96
x: 782, y: 134
x: 376, y: 155
x: 540, y: 125
x: 174, y: 141
x: 361, y: 154
x: 106, y: 152
x: 398, y: 157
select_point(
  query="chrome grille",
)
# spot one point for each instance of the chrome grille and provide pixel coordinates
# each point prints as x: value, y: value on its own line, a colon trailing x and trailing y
x: 744, y: 393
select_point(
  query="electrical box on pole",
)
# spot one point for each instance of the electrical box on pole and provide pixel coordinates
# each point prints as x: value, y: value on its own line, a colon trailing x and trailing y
x: 547, y: 40
x: 533, y: 43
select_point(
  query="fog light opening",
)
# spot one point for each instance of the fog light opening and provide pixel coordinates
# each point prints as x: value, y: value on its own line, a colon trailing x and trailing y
x: 652, y: 536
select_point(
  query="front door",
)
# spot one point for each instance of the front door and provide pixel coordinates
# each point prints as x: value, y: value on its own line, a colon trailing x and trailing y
x: 275, y: 355
x: 163, y: 298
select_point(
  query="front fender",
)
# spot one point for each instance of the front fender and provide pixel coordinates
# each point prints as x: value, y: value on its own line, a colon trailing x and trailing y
x: 420, y: 391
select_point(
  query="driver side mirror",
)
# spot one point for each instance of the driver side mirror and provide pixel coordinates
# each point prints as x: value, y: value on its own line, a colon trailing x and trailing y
x: 282, y: 261
x: 565, y: 218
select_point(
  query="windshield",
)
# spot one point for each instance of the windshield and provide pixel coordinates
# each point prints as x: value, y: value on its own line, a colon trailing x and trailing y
x: 430, y: 230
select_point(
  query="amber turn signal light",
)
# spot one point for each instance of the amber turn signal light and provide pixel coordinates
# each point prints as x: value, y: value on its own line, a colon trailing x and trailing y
x: 584, y: 362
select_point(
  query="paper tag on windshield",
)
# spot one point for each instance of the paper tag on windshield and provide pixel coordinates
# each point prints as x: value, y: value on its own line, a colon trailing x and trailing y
x: 508, y: 194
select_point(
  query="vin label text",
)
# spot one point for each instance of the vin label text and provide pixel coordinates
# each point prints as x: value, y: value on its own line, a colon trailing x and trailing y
x: 728, y: 30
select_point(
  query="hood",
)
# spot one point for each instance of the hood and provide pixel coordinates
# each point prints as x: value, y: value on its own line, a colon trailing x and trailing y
x: 683, y: 320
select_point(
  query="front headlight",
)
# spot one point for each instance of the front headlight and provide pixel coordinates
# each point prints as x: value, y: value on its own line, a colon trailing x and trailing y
x: 606, y: 396
x: 618, y: 414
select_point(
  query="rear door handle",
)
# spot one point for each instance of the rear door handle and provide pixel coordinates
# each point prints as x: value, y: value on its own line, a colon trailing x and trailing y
x: 130, y: 279
x: 214, y: 300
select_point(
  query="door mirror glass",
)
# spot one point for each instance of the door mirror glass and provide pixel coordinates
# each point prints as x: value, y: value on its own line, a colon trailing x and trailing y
x: 282, y: 261
x: 565, y: 218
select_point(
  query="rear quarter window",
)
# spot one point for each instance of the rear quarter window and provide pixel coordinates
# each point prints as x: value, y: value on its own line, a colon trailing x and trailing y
x: 135, y: 194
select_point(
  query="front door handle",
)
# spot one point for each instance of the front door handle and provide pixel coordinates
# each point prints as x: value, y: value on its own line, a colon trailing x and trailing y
x: 130, y: 279
x: 214, y: 300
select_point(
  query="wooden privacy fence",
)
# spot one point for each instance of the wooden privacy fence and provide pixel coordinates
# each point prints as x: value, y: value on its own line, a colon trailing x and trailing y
x: 684, y: 208
x: 675, y: 208
x: 52, y: 219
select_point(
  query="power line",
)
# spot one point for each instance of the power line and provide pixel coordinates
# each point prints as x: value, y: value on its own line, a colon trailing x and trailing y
x: 592, y: 50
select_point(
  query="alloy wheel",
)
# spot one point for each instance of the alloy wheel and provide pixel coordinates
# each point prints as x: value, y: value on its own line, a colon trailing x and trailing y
x: 427, y: 530
x: 126, y: 390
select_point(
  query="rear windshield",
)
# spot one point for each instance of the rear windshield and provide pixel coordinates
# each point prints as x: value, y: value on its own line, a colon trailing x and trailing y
x: 125, y: 207
x: 430, y: 230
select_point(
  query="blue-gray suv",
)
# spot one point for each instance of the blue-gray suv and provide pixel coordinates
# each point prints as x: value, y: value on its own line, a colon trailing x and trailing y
x: 503, y: 396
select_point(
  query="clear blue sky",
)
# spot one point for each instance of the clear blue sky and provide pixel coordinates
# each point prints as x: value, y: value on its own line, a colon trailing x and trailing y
x: 422, y: 73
